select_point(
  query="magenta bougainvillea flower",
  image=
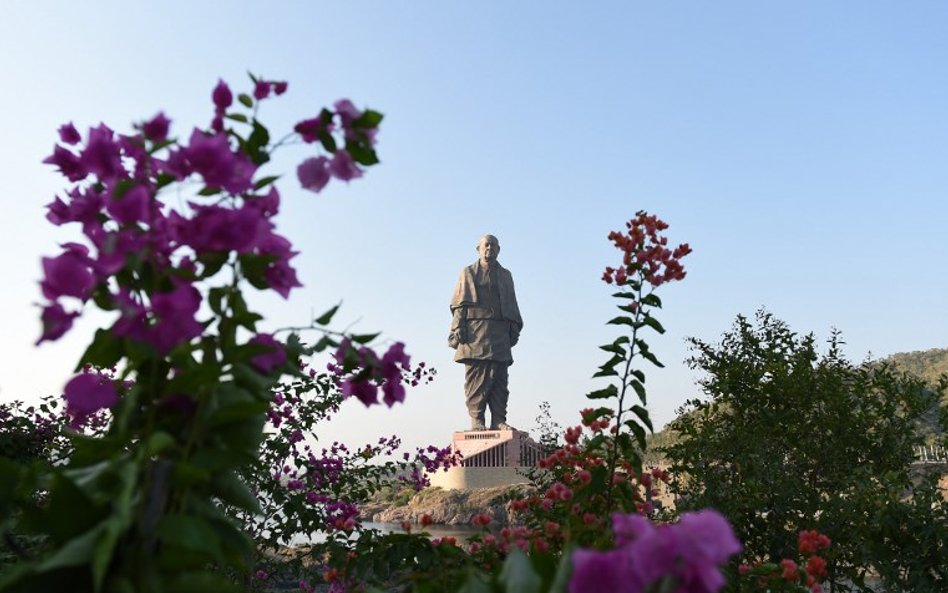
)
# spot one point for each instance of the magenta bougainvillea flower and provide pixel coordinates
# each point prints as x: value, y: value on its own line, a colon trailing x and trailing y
x: 690, y: 552
x: 68, y: 163
x: 68, y: 134
x: 68, y: 274
x: 56, y: 322
x: 343, y: 167
x: 87, y: 393
x: 222, y: 96
x: 156, y: 129
x: 132, y: 206
x: 211, y: 157
x: 392, y: 364
x: 275, y: 357
x: 102, y: 155
x: 313, y: 173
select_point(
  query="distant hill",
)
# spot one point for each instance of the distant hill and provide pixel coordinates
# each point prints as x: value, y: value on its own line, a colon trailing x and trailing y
x: 925, y: 364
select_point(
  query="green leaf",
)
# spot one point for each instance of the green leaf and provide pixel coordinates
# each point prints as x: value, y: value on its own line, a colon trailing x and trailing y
x: 639, y: 433
x: 621, y: 320
x: 209, y: 191
x: 517, y: 574
x: 652, y: 300
x: 639, y: 389
x: 328, y: 142
x: 191, y: 533
x: 260, y: 136
x: 230, y: 488
x: 158, y: 442
x: 265, y: 181
x: 326, y: 317
x: 245, y: 100
x: 605, y: 372
x: 104, y: 352
x: 237, y: 117
x: 363, y: 338
x: 642, y: 415
x: 474, y: 584
x: 610, y: 391
x: 76, y: 552
x: 325, y: 342
x: 368, y: 119
x: 624, y: 295
x: 651, y: 358
x: 563, y: 571
x: 654, y: 324
x: 215, y: 298
x: 362, y: 154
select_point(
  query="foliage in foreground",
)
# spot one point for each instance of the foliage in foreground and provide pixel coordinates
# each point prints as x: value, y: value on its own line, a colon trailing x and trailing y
x: 788, y: 437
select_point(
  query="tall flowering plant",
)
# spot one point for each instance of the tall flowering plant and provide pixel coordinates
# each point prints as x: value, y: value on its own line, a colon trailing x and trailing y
x: 173, y: 230
x: 589, y: 525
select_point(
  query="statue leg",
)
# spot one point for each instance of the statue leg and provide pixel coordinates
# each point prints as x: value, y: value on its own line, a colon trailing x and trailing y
x: 476, y: 385
x: 497, y: 400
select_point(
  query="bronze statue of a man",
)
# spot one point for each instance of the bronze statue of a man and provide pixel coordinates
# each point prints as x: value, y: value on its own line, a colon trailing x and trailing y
x: 486, y: 324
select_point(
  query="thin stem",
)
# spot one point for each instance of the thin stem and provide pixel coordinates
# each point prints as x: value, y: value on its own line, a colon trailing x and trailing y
x: 614, y: 454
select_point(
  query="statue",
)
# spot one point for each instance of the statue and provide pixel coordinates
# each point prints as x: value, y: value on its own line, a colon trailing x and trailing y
x: 485, y: 326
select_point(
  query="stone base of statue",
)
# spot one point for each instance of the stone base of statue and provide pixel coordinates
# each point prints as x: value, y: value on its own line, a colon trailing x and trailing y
x: 489, y: 458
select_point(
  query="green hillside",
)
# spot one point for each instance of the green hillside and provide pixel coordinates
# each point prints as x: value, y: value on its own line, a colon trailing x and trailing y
x: 925, y: 364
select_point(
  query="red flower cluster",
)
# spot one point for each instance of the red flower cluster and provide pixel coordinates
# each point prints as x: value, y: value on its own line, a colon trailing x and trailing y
x: 811, y: 541
x: 645, y: 254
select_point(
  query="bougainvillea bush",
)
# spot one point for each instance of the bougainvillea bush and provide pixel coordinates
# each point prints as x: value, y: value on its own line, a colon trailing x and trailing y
x: 174, y: 230
x: 189, y: 451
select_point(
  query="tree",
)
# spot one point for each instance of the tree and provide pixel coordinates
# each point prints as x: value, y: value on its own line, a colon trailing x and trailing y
x: 790, y: 439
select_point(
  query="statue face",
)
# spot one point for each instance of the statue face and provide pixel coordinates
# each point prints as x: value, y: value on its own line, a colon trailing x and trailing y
x: 488, y: 248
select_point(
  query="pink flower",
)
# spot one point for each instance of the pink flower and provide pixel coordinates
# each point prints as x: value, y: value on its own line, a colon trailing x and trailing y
x: 313, y: 173
x: 69, y: 164
x: 132, y: 206
x: 175, y: 313
x: 68, y: 134
x: 216, y: 228
x: 603, y: 572
x: 364, y: 390
x: 102, y: 155
x: 83, y: 206
x: 690, y: 552
x: 273, y: 358
x: 157, y: 128
x: 343, y: 167
x: 280, y: 87
x: 212, y: 158
x: 261, y: 90
x: 392, y: 364
x: 309, y: 129
x: 347, y: 111
x: 222, y: 96
x: 88, y: 393
x: 56, y: 322
x: 68, y: 274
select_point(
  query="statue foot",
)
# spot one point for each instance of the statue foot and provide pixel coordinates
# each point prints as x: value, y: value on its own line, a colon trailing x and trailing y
x: 502, y: 426
x: 478, y: 425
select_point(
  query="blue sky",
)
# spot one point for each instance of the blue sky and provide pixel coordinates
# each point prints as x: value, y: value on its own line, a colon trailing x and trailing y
x: 799, y: 147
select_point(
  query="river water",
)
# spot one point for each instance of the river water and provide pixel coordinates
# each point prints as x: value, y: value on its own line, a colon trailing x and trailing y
x: 460, y: 532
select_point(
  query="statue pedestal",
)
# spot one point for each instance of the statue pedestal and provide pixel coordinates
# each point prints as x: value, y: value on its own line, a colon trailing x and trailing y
x: 489, y: 458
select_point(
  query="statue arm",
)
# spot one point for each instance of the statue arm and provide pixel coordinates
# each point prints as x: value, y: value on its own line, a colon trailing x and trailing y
x: 458, y: 333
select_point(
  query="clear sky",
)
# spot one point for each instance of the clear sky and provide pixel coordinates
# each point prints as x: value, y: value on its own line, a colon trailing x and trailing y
x: 799, y: 147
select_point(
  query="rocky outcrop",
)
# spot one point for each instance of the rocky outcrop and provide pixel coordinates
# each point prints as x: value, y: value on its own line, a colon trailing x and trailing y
x: 448, y: 507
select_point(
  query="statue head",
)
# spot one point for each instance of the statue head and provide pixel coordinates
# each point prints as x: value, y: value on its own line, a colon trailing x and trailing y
x: 488, y: 248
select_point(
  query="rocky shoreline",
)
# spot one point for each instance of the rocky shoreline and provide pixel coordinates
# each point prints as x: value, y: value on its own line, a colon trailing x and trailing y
x: 447, y: 507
